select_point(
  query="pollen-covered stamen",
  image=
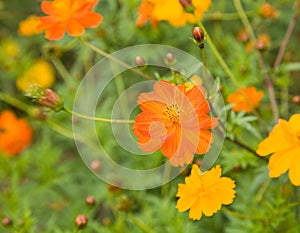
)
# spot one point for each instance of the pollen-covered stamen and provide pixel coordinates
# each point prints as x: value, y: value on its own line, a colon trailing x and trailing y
x: 172, y: 112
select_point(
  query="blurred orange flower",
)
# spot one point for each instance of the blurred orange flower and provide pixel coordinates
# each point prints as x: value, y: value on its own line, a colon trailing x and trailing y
x: 15, y: 134
x: 268, y: 11
x: 245, y: 99
x: 171, y: 11
x: 72, y: 16
x: 174, y: 120
x: 28, y: 27
x: 204, y: 192
x: 284, y: 145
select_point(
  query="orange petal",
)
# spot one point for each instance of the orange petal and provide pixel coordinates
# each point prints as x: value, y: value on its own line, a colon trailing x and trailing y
x: 90, y: 19
x: 47, y: 8
x: 205, y: 139
x: 55, y: 33
x: 74, y: 28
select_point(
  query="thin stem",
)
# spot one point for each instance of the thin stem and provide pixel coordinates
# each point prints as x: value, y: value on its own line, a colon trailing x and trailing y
x: 285, y: 41
x: 141, y: 225
x: 269, y: 84
x: 62, y: 71
x: 14, y: 102
x: 224, y: 16
x: 219, y: 56
x: 97, y: 118
x: 242, y: 145
x: 104, y: 54
x: 206, y: 72
x: 240, y: 215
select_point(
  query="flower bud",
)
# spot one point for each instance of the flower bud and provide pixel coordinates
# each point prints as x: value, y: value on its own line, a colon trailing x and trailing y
x: 296, y: 99
x: 45, y: 97
x: 170, y: 59
x: 90, y: 200
x: 139, y: 61
x: 51, y: 100
x: 125, y: 203
x: 81, y: 220
x: 6, y: 221
x: 95, y: 165
x: 198, y: 34
x: 113, y: 189
x: 187, y: 5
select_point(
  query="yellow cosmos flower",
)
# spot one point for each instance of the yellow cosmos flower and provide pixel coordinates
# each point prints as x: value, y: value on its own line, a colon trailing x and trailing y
x: 284, y: 143
x: 9, y: 48
x: 41, y: 73
x: 204, y: 192
x: 171, y: 11
x: 28, y: 27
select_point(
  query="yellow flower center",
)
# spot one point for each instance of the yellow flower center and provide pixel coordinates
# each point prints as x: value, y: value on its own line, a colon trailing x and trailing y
x: 172, y: 112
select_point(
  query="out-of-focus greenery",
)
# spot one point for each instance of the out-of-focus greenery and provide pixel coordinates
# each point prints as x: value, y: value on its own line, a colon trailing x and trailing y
x: 44, y: 188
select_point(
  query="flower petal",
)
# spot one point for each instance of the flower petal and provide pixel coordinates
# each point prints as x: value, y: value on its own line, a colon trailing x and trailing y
x: 91, y: 19
x: 281, y: 161
x: 74, y: 28
x: 294, y: 172
x: 55, y: 33
x: 47, y: 8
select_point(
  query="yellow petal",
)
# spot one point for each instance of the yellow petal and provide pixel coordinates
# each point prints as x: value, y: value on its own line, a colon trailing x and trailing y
x: 281, y: 161
x: 294, y: 173
x: 294, y: 122
x: 196, y: 211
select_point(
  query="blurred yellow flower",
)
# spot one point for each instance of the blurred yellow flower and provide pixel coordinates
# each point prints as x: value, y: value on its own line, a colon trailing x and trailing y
x: 28, y: 27
x: 204, y: 192
x: 41, y: 73
x: 284, y: 145
x: 9, y: 48
x: 172, y: 11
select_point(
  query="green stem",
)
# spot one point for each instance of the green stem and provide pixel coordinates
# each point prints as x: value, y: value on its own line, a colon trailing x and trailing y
x: 104, y: 54
x: 219, y: 56
x: 140, y: 224
x: 269, y: 83
x: 68, y: 79
x: 97, y: 118
x: 225, y: 16
x: 240, y: 215
x: 14, y: 102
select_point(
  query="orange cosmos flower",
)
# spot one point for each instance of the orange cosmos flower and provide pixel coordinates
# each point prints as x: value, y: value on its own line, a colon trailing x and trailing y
x: 172, y: 11
x: 204, y: 192
x: 72, y: 16
x: 15, y: 134
x: 174, y: 120
x: 245, y: 99
x: 268, y: 11
x: 284, y: 143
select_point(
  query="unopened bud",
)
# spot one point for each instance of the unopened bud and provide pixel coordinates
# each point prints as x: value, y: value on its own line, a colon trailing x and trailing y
x: 81, y: 220
x: 198, y: 34
x: 170, y: 59
x: 296, y: 99
x: 90, y: 200
x: 95, y: 165
x: 51, y: 100
x: 7, y: 221
x: 125, y: 203
x: 113, y: 189
x: 187, y: 5
x: 45, y: 97
x: 139, y: 61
